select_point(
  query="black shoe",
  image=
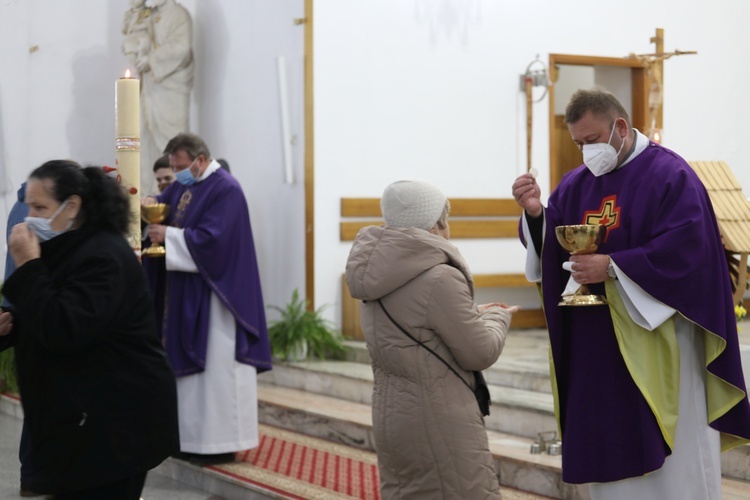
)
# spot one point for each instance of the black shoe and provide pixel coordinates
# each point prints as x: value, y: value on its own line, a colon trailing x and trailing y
x: 211, y: 459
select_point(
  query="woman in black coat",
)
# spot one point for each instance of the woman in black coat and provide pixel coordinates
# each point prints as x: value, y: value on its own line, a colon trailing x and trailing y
x: 98, y: 394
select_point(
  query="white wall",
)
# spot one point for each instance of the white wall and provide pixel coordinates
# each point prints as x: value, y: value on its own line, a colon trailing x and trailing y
x: 571, y: 78
x: 403, y: 88
x: 429, y: 89
x: 58, y: 102
x: 236, y: 103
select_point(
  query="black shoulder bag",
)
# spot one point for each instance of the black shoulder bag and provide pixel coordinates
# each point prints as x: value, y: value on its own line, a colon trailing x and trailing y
x: 481, y: 391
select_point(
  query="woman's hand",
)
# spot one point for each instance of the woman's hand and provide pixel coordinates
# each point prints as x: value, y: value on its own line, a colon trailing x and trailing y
x: 23, y: 244
x: 6, y: 323
x: 510, y: 309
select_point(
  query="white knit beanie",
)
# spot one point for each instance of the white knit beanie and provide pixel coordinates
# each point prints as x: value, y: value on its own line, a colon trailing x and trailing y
x: 412, y: 204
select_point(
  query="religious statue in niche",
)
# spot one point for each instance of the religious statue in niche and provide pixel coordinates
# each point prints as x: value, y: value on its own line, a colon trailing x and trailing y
x: 165, y: 64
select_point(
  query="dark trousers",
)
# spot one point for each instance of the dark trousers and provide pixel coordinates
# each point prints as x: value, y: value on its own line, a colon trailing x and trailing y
x: 125, y: 489
x: 24, y: 450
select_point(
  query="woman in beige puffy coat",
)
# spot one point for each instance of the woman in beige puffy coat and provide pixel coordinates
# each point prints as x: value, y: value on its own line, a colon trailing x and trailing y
x: 429, y: 430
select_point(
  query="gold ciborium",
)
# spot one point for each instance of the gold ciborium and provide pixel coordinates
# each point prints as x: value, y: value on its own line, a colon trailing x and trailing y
x: 154, y: 214
x: 581, y: 239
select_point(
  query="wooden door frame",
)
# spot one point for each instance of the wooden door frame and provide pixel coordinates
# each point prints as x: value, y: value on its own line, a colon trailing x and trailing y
x: 639, y: 84
x: 309, y: 156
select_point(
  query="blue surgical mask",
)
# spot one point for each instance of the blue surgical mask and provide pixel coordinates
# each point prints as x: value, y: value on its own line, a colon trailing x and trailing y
x: 185, y: 176
x: 43, y: 227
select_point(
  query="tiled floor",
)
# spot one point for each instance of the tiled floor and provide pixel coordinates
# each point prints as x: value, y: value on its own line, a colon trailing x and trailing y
x: 157, y: 487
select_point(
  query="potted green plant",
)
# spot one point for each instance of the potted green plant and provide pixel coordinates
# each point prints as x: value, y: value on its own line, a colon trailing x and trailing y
x: 8, y: 382
x: 301, y: 332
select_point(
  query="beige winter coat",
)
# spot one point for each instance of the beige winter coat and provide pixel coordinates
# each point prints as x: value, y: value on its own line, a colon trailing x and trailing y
x: 429, y: 431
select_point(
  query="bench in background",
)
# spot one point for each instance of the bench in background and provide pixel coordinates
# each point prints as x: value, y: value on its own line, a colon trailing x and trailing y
x: 469, y: 218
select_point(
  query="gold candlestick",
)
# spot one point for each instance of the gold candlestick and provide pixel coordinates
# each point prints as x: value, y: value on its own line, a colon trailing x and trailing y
x: 128, y: 150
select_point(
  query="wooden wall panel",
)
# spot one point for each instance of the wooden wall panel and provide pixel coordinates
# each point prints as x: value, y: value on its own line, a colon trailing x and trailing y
x: 460, y: 207
x: 488, y: 218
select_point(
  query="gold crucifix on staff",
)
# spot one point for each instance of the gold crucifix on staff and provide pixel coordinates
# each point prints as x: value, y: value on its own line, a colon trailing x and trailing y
x: 654, y: 64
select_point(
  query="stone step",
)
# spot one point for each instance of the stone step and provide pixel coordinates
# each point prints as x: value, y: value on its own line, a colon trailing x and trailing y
x: 515, y: 411
x: 11, y: 405
x: 214, y: 482
x: 523, y: 365
x: 735, y: 463
x: 351, y: 423
x: 517, y: 469
x: 338, y: 421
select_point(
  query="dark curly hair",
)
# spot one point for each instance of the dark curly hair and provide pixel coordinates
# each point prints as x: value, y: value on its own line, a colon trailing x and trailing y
x: 161, y: 162
x: 104, y: 203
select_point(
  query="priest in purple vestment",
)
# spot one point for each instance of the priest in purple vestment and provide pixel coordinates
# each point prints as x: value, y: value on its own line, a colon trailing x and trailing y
x: 649, y: 387
x: 212, y: 316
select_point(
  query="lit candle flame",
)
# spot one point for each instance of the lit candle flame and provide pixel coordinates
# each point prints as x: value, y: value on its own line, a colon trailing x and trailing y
x: 127, y: 73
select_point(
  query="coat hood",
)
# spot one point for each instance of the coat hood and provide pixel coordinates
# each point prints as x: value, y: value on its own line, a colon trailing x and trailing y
x: 384, y: 259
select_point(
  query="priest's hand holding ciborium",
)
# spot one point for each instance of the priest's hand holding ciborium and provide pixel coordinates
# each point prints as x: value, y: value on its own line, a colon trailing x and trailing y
x: 154, y: 213
x: 581, y: 239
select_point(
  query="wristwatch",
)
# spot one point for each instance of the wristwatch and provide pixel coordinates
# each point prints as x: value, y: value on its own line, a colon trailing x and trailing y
x: 611, y: 270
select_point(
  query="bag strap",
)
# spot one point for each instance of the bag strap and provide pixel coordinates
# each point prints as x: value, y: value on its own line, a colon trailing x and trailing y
x: 422, y: 344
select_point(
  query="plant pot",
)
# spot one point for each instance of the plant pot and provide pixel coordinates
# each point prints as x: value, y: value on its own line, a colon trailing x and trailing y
x: 298, y: 352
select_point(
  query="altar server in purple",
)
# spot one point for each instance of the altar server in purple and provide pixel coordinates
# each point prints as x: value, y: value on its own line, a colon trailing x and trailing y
x: 213, y: 318
x: 648, y: 388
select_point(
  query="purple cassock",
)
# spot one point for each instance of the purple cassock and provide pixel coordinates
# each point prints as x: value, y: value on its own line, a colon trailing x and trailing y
x: 216, y: 220
x: 663, y: 235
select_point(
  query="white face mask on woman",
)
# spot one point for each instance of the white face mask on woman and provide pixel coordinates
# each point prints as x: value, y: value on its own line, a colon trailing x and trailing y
x: 601, y: 158
x: 43, y: 227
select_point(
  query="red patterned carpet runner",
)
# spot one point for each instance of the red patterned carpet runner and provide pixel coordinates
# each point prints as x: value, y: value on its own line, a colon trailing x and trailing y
x: 296, y: 466
x: 303, y: 467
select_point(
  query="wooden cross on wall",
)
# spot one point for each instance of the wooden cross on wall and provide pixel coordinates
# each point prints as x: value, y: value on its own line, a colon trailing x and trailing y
x: 655, y: 65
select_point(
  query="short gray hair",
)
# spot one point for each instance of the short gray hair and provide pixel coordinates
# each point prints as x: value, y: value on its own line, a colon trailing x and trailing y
x: 442, y: 222
x: 600, y: 102
x: 193, y: 145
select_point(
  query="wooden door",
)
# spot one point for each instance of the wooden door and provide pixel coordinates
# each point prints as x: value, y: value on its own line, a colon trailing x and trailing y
x: 564, y: 154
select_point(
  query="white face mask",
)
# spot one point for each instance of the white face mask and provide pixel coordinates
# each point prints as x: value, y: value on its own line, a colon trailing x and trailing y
x: 601, y: 158
x: 43, y: 227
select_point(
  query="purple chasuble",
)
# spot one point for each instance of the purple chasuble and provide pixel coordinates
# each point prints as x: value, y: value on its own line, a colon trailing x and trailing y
x: 216, y: 221
x: 662, y: 233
